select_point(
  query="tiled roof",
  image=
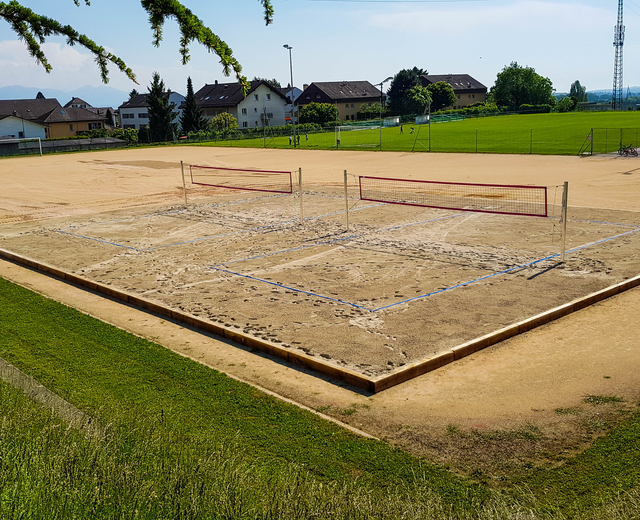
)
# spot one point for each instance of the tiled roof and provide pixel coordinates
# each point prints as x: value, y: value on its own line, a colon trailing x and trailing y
x: 227, y: 94
x: 459, y: 82
x: 347, y: 89
x: 28, y: 109
x: 138, y: 101
x: 71, y: 115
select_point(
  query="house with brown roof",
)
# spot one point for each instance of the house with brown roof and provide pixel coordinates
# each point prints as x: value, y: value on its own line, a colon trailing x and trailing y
x: 467, y: 89
x: 21, y: 118
x: 262, y: 106
x: 347, y: 96
x: 67, y: 122
x: 77, y: 102
x: 44, y: 118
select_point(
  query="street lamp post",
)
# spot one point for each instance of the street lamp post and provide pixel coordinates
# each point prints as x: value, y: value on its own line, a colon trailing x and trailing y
x: 381, y: 83
x: 293, y: 116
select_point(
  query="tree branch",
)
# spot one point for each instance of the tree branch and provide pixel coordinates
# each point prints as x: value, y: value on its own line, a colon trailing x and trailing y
x: 33, y: 30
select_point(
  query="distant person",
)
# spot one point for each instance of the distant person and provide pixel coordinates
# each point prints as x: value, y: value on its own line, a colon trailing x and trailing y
x: 307, y: 137
x: 289, y: 140
x: 413, y: 129
x: 401, y: 129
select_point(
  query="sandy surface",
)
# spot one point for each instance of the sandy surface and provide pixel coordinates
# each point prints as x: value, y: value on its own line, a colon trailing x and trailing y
x: 521, y: 383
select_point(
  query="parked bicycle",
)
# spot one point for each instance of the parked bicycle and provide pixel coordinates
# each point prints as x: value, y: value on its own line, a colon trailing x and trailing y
x: 627, y: 151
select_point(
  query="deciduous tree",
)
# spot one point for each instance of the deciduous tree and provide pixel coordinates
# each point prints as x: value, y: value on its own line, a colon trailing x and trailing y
x: 516, y: 86
x: 33, y: 29
x: 224, y: 122
x: 319, y: 113
x: 442, y: 95
x: 402, y: 82
x: 578, y: 92
x: 418, y: 99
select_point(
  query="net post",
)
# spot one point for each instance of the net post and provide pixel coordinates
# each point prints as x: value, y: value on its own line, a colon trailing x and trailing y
x: 184, y: 185
x: 346, y: 200
x: 565, y: 193
x: 300, y: 191
x: 40, y: 145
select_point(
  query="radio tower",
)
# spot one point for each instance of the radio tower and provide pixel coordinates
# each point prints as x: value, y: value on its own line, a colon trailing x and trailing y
x: 618, y: 42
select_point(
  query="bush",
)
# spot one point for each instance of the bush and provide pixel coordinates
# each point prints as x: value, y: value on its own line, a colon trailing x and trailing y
x: 91, y: 134
x: 130, y: 135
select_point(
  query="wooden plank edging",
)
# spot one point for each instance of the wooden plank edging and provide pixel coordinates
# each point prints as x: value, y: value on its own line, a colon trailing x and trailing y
x: 428, y: 364
x: 342, y: 374
x: 374, y: 385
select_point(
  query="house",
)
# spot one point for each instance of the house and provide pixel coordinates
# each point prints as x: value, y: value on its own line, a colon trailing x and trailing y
x: 24, y: 118
x: 347, y: 96
x: 135, y: 112
x: 467, y: 89
x: 262, y: 106
x: 45, y: 118
x: 77, y: 102
x: 67, y: 122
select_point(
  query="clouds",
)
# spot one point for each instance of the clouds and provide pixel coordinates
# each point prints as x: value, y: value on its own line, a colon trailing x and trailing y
x: 71, y: 68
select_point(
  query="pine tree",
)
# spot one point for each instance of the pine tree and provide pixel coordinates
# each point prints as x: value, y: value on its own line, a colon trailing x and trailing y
x: 133, y: 94
x: 192, y: 119
x: 161, y: 112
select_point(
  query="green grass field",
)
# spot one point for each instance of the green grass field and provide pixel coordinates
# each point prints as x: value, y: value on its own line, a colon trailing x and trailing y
x: 184, y: 441
x: 545, y: 134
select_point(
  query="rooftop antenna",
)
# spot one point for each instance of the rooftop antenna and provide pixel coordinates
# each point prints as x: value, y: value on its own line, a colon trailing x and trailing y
x: 618, y: 42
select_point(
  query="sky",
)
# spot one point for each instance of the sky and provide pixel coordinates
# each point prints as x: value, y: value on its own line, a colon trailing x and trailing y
x: 339, y: 40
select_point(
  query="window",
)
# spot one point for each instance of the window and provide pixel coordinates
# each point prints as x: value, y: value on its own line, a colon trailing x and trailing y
x: 255, y: 97
x: 245, y: 124
x: 473, y: 95
x: 318, y: 96
x: 143, y: 115
x: 20, y: 134
x: 268, y: 97
x: 128, y: 126
x: 346, y: 105
x: 255, y: 109
x: 128, y: 116
x: 256, y: 124
x: 95, y: 126
x: 351, y: 105
x: 244, y: 111
x: 469, y: 96
x: 458, y: 97
x: 71, y: 127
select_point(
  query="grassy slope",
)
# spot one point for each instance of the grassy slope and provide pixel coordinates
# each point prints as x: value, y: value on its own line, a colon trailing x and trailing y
x: 122, y: 379
x: 550, y: 134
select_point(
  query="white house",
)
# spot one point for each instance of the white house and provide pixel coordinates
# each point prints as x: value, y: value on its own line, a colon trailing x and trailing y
x: 135, y: 112
x: 25, y: 117
x: 263, y: 105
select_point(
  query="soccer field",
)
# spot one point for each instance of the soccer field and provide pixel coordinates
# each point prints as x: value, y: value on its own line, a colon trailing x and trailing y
x: 545, y: 134
x: 402, y: 285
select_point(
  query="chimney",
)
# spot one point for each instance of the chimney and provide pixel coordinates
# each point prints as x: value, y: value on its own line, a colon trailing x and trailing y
x: 305, y: 87
x: 216, y: 82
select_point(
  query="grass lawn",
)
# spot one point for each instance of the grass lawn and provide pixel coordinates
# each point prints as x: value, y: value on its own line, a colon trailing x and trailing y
x: 184, y: 441
x: 545, y: 134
